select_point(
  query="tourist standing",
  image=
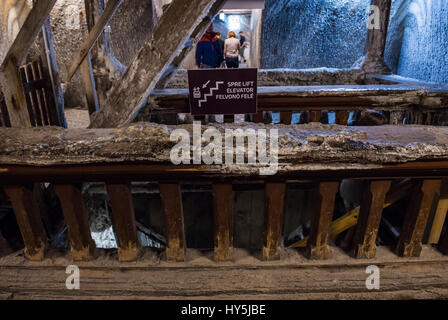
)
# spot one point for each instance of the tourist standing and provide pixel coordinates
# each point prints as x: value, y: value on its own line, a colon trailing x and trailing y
x: 219, y: 45
x: 206, y: 53
x: 232, y: 49
x: 243, y: 45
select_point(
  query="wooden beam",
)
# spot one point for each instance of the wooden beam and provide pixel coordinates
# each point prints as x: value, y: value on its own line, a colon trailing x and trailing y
x: 323, y: 209
x: 26, y: 209
x: 314, y: 116
x: 28, y: 32
x: 440, y: 214
x: 123, y: 219
x: 93, y: 36
x: 417, y: 213
x: 223, y: 221
x: 174, y: 221
x: 15, y: 99
x: 75, y: 215
x: 52, y: 69
x: 286, y: 117
x: 89, y: 85
x: 372, y: 204
x: 273, y: 220
x: 342, y: 117
x: 376, y: 40
x: 179, y: 23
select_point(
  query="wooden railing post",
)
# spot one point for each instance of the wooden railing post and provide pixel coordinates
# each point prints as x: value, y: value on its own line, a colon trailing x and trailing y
x: 342, y: 117
x: 372, y: 204
x: 123, y: 219
x: 273, y: 220
x: 323, y: 207
x: 174, y: 221
x: 286, y: 117
x: 417, y: 212
x: 29, y: 220
x: 223, y: 221
x: 440, y: 214
x: 75, y: 215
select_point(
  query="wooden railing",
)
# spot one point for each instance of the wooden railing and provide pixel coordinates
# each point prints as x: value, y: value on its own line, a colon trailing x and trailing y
x: 424, y: 189
x: 39, y: 95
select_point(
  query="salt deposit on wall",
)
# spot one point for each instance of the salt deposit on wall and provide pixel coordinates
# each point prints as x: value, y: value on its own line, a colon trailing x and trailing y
x: 310, y: 34
x: 424, y: 52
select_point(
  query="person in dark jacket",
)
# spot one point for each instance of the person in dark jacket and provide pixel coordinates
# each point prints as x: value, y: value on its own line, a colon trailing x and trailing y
x: 206, y: 51
x: 220, y: 49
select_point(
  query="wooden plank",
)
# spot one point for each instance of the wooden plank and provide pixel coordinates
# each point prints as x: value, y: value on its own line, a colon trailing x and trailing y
x: 15, y: 99
x: 372, y: 204
x: 28, y: 217
x: 177, y: 25
x: 323, y: 208
x: 342, y: 117
x: 229, y: 119
x: 28, y: 32
x: 258, y: 118
x: 34, y: 115
x: 4, y: 111
x: 223, y: 221
x: 89, y: 84
x: 174, y: 221
x: 440, y: 214
x: 123, y: 219
x: 376, y: 40
x: 51, y: 66
x: 286, y: 117
x: 75, y: 215
x: 417, y: 213
x: 93, y: 36
x: 273, y: 220
x: 39, y: 93
x: 314, y: 116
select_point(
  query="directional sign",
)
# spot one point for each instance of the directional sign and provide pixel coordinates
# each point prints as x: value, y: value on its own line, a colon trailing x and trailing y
x: 223, y: 91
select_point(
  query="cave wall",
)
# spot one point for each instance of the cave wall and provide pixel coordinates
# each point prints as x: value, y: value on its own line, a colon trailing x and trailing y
x: 424, y: 50
x: 310, y: 34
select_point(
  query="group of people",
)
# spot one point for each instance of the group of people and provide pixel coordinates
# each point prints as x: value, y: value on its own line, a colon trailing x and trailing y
x: 212, y: 52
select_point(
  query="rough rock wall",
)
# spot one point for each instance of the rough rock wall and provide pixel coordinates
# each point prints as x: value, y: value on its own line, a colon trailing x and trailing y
x: 309, y: 34
x: 424, y: 52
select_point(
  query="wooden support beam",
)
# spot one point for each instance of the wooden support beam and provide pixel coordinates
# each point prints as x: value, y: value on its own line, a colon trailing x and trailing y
x: 174, y: 221
x: 440, y: 214
x: 52, y: 69
x: 181, y: 21
x: 93, y: 36
x: 314, y: 116
x: 75, y: 215
x: 89, y: 85
x: 10, y: 79
x: 274, y: 204
x: 286, y: 117
x: 15, y: 99
x: 26, y: 209
x: 417, y: 213
x: 342, y: 117
x: 123, y: 219
x: 28, y: 32
x: 372, y: 204
x: 223, y: 221
x: 376, y: 40
x: 323, y: 208
x: 259, y: 117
